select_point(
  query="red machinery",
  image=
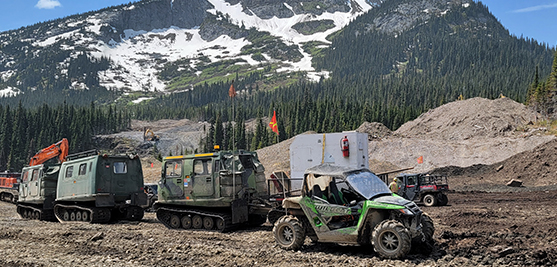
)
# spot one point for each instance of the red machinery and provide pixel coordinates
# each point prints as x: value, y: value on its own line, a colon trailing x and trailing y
x: 59, y: 150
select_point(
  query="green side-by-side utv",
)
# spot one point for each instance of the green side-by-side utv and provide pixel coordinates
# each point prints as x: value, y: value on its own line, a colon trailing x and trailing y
x: 353, y: 206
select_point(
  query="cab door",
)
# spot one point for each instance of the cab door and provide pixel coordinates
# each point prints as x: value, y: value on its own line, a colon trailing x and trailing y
x: 173, y: 178
x: 202, y: 178
x: 34, y: 183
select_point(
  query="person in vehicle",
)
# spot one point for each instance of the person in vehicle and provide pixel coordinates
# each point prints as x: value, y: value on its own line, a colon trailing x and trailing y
x: 394, y: 185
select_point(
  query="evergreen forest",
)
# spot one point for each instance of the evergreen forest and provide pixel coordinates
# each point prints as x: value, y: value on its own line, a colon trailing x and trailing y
x: 23, y: 132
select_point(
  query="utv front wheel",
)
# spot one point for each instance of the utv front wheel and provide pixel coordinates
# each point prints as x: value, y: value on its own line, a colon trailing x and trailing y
x: 289, y: 232
x: 430, y: 200
x: 391, y: 240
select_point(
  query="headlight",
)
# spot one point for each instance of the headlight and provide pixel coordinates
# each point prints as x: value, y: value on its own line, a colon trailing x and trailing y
x: 406, y: 211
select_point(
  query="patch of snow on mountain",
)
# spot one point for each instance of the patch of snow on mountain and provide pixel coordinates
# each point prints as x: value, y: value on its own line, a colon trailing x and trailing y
x: 5, y: 75
x: 138, y: 55
x: 141, y: 99
x: 96, y: 25
x: 9, y: 92
x: 54, y: 39
x: 282, y: 27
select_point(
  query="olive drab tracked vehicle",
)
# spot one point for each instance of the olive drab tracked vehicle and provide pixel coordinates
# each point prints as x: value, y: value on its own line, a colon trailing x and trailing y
x: 212, y: 191
x: 352, y: 205
x: 97, y: 188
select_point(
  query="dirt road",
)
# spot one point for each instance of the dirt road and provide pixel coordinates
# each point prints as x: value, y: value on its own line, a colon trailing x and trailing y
x: 503, y: 229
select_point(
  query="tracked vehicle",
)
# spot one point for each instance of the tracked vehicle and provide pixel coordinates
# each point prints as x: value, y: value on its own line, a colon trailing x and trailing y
x: 9, y: 185
x: 212, y: 191
x: 353, y: 206
x: 97, y: 188
x: 37, y: 189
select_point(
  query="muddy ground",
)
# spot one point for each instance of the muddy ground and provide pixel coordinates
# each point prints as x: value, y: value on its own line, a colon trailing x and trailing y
x: 477, y: 228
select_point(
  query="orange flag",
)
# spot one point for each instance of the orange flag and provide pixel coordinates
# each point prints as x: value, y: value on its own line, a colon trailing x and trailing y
x: 231, y: 91
x: 273, y: 123
x: 421, y: 160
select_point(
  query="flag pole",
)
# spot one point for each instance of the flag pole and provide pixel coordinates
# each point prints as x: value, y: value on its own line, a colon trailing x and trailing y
x: 232, y: 94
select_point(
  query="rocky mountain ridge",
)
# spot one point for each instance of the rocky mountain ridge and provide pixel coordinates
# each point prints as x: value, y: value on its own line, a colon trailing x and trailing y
x: 153, y: 46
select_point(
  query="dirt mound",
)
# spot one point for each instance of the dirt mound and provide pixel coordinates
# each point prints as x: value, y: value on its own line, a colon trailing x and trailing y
x: 471, y: 118
x: 375, y: 130
x: 462, y: 133
x: 536, y: 168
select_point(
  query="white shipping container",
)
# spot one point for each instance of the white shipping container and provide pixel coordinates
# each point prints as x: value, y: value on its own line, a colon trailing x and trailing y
x: 309, y: 150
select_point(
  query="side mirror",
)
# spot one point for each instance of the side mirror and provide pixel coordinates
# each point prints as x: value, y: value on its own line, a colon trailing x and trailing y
x: 353, y: 202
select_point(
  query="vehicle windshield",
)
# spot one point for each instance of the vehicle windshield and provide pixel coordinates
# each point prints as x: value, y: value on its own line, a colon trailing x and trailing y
x: 367, y: 184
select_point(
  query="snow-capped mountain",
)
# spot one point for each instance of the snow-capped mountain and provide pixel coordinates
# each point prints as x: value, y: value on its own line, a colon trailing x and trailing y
x: 170, y: 45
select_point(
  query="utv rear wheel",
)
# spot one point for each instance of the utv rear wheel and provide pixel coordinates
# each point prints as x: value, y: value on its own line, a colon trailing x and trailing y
x: 391, y: 240
x: 430, y: 200
x: 289, y: 232
x: 442, y: 200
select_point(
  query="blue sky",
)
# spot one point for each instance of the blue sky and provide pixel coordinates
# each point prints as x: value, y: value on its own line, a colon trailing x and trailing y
x: 535, y: 19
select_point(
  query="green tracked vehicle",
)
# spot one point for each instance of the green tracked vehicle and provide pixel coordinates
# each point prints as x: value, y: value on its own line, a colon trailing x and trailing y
x: 99, y: 188
x: 212, y: 191
x: 353, y: 206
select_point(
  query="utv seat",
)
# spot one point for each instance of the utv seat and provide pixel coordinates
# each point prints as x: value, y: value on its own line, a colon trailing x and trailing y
x: 316, y: 191
x: 335, y: 196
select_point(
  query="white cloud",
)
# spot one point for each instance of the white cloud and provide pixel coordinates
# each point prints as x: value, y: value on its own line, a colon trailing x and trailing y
x: 535, y: 8
x: 47, y: 4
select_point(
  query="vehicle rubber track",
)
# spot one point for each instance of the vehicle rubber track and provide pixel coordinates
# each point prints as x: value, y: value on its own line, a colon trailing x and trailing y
x: 35, y: 213
x: 222, y: 222
x: 9, y: 197
x: 76, y: 213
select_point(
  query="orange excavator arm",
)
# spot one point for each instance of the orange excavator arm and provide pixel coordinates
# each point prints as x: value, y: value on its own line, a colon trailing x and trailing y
x: 59, y: 150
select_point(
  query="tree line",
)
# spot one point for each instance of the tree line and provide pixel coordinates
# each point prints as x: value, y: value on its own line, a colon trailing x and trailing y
x: 24, y: 131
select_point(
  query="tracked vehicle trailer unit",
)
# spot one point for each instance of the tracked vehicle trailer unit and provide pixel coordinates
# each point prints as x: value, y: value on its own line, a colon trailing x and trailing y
x: 99, y: 188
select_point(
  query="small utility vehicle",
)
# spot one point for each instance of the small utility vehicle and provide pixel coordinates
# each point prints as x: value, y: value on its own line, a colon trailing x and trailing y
x: 423, y: 187
x: 352, y: 206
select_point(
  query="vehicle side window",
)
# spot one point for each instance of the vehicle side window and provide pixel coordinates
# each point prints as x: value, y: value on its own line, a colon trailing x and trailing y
x: 82, y: 169
x: 411, y: 180
x: 198, y: 167
x: 173, y: 168
x: 217, y: 165
x: 208, y: 166
x: 120, y: 167
x: 69, y: 172
x: 35, y: 175
x: 202, y: 166
x: 25, y: 176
